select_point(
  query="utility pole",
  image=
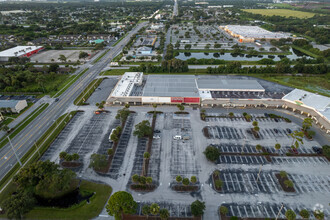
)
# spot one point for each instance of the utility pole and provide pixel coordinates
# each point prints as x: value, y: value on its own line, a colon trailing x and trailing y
x: 279, y: 212
x: 259, y: 173
x: 19, y: 161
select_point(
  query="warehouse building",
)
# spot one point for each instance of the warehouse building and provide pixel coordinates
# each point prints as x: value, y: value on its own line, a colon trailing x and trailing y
x: 19, y: 51
x: 134, y: 88
x: 249, y: 34
x: 15, y: 105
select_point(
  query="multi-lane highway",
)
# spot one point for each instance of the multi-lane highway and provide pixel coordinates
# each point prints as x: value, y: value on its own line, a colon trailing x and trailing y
x: 25, y: 139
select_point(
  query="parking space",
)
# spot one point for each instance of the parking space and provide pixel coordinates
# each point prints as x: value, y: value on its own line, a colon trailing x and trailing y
x: 119, y: 155
x: 175, y: 209
x: 88, y: 136
x: 183, y: 156
x: 239, y: 181
x: 57, y: 145
x: 105, y: 143
x: 224, y: 132
x: 265, y: 210
x: 102, y: 91
x: 247, y: 95
x: 300, y: 160
x: 311, y: 183
x: 233, y: 159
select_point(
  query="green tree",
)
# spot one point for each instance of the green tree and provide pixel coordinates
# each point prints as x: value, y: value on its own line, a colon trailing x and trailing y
x: 149, y: 180
x: 127, y: 106
x: 297, y: 137
x: 290, y: 215
x: 224, y: 210
x: 135, y: 178
x: 143, y: 129
x: 185, y: 181
x: 180, y: 107
x: 69, y: 157
x: 98, y: 161
x: 255, y: 123
x: 154, y: 209
x: 142, y: 180
x: 120, y: 203
x: 63, y: 155
x: 193, y: 179
x: 75, y: 156
x: 83, y: 55
x: 231, y: 114
x: 164, y: 214
x: 304, y: 214
x: 123, y: 114
x: 110, y: 151
x: 187, y: 46
x: 326, y: 150
x: 277, y: 146
x: 212, y: 153
x: 146, y: 155
x: 62, y: 58
x: 178, y: 179
x: 307, y: 124
x: 197, y: 208
x: 18, y: 204
x: 256, y: 128
x: 154, y: 106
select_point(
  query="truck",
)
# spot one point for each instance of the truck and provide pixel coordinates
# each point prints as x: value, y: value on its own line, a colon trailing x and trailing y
x: 110, y: 135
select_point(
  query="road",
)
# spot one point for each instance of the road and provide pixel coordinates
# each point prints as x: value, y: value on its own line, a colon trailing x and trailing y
x: 175, y: 9
x: 26, y: 139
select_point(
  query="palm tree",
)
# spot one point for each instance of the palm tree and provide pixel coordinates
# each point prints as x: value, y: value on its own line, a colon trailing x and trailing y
x: 149, y: 180
x: 154, y: 209
x: 146, y: 210
x: 164, y: 214
x: 154, y: 106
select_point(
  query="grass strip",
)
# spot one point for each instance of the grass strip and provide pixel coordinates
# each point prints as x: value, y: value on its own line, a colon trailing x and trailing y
x: 67, y: 84
x: 100, y: 57
x: 41, y: 145
x: 79, y: 211
x: 88, y: 91
x: 305, y: 51
x: 18, y: 128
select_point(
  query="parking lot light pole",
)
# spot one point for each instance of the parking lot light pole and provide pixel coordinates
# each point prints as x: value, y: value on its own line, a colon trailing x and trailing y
x: 279, y: 212
x: 259, y: 173
x: 19, y: 161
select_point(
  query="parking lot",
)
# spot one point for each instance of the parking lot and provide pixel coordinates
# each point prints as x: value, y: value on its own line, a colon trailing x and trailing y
x: 51, y: 56
x: 88, y: 133
x: 264, y: 210
x: 103, y: 90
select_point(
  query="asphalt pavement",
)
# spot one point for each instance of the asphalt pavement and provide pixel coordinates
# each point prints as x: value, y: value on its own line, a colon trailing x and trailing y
x: 26, y: 138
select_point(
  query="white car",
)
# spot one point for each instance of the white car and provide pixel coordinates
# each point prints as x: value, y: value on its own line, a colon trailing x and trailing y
x: 177, y: 137
x: 156, y: 136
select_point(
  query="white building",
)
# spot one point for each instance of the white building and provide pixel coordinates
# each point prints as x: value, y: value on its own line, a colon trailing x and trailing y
x: 19, y: 51
x: 15, y: 105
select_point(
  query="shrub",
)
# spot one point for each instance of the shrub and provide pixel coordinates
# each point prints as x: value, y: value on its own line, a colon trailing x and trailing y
x: 233, y: 218
x: 218, y: 184
x: 216, y: 173
x: 304, y: 213
x: 288, y: 183
x: 283, y: 174
x: 197, y: 208
x: 326, y: 150
x: 223, y: 210
x: 193, y: 179
x: 290, y: 215
x: 178, y: 179
x: 255, y: 123
x: 256, y: 128
x: 135, y: 178
x: 319, y: 214
x: 258, y: 147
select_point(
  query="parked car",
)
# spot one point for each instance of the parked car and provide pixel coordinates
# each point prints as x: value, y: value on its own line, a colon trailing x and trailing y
x: 177, y: 137
x: 156, y: 137
x: 289, y: 130
x: 317, y: 150
x: 156, y: 131
x: 276, y: 131
x: 57, y: 99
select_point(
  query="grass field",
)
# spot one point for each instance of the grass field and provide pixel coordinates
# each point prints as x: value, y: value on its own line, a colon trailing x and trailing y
x: 281, y: 12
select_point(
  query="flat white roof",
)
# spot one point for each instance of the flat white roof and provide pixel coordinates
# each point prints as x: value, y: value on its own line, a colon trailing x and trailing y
x: 254, y: 32
x: 318, y: 102
x: 18, y: 51
x: 126, y: 83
